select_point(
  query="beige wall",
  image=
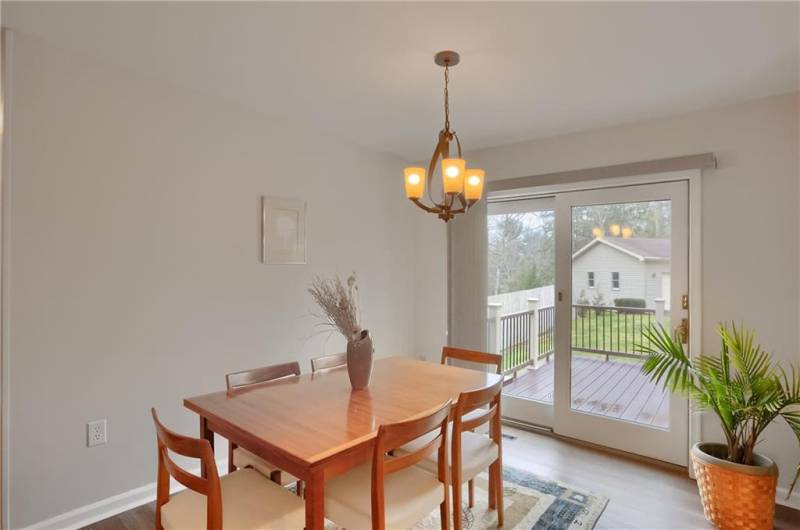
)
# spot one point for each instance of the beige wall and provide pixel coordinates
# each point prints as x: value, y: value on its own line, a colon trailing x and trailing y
x: 133, y: 234
x: 750, y: 215
x: 430, y: 285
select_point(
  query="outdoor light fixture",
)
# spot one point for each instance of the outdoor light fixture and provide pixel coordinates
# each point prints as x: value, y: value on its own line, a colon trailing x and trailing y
x: 462, y: 186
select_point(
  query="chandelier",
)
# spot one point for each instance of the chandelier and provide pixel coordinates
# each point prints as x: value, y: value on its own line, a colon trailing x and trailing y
x: 461, y: 187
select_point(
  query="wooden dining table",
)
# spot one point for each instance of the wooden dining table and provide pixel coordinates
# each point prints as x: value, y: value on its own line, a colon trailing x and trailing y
x: 315, y: 426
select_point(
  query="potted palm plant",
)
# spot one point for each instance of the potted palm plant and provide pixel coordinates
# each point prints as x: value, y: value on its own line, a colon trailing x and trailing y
x: 747, y: 392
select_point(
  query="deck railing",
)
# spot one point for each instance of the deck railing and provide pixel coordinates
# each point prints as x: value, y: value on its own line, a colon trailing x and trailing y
x: 547, y: 335
x: 515, y: 333
x: 613, y: 331
x: 528, y: 337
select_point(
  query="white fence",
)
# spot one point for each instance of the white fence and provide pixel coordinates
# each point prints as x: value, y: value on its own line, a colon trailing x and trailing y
x: 517, y: 301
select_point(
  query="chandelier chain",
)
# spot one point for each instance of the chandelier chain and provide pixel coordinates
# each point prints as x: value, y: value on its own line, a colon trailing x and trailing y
x: 446, y: 99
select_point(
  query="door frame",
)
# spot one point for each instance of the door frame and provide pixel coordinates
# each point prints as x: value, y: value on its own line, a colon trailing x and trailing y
x: 5, y: 68
x: 694, y: 179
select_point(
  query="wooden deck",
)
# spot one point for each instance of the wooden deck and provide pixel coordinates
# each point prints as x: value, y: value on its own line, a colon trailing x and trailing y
x: 607, y: 388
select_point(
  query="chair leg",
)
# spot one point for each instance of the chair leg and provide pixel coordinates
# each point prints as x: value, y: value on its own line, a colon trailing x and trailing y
x: 444, y: 508
x: 231, y: 447
x: 471, y: 492
x: 300, y: 488
x: 492, y: 486
x: 498, y: 486
x: 457, y: 505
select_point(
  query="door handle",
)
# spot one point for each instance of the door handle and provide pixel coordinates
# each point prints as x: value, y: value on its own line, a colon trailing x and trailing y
x: 682, y: 331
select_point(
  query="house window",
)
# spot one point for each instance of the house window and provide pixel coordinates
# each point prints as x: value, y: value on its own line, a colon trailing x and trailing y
x: 590, y: 279
x: 615, y: 280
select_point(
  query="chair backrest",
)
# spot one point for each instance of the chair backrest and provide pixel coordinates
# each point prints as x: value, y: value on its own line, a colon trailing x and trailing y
x: 328, y: 362
x: 193, y: 448
x: 492, y: 359
x: 261, y: 375
x: 394, y: 435
x: 473, y: 400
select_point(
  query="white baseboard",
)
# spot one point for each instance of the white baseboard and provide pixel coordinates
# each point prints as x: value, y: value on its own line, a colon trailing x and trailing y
x: 103, y: 509
x: 791, y: 502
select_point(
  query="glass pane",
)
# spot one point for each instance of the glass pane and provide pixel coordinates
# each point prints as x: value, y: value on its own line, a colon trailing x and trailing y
x: 521, y: 294
x: 626, y: 248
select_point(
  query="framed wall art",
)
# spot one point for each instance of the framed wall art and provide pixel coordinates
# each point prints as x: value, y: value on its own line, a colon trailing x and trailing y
x: 283, y: 231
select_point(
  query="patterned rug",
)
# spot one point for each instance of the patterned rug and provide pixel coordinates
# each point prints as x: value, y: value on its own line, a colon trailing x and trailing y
x: 531, y: 502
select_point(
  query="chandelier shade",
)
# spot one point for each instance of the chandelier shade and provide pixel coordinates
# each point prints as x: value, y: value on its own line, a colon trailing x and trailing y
x: 461, y: 187
x: 415, y: 182
x: 473, y: 184
x: 453, y: 175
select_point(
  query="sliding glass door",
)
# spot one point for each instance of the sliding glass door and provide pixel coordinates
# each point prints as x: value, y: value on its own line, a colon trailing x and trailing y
x: 575, y: 282
x: 521, y: 312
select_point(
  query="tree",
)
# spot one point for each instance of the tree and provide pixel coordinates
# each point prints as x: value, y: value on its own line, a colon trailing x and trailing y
x: 521, y: 251
x: 647, y: 219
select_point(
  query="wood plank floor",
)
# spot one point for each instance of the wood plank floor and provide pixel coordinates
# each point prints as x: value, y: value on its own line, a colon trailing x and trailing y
x: 608, y: 388
x: 643, y: 496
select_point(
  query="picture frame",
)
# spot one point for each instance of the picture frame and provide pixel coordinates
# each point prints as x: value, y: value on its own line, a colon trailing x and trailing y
x: 283, y: 231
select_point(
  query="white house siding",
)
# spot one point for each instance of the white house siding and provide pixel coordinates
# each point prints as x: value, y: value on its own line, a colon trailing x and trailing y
x: 603, y: 260
x: 654, y: 272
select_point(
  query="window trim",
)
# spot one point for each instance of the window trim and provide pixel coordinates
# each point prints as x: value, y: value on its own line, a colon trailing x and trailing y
x: 613, y: 288
x: 590, y: 279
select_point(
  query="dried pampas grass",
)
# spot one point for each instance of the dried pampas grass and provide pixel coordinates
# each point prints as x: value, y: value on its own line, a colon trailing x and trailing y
x: 339, y: 304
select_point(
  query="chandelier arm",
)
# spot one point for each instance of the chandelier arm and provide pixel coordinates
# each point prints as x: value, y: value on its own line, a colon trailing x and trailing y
x: 458, y: 144
x: 427, y: 208
x: 448, y: 201
x: 442, y: 149
x: 431, y: 167
x: 463, y: 202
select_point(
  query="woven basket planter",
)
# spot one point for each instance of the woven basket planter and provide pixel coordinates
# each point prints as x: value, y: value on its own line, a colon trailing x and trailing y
x: 735, y: 496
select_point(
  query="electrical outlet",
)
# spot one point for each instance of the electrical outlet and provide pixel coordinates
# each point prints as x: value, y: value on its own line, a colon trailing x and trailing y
x: 96, y: 433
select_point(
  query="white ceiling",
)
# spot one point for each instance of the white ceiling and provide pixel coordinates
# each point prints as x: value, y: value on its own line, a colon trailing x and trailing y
x: 365, y: 72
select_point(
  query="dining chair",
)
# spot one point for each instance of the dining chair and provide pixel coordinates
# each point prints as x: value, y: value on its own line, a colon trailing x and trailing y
x: 402, y: 494
x: 473, y: 357
x: 471, y: 452
x: 240, y: 500
x: 239, y: 457
x: 328, y: 362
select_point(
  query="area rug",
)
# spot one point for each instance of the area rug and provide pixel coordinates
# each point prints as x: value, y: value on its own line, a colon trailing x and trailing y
x: 531, y: 502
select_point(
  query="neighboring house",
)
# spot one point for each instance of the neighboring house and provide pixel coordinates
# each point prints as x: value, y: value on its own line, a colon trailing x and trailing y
x: 622, y: 268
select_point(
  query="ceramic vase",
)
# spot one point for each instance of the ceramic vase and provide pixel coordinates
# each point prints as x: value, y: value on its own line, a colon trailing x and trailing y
x: 359, y: 360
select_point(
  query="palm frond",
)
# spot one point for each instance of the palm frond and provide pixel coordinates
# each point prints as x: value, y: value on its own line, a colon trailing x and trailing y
x: 666, y: 360
x: 790, y: 385
x: 750, y: 361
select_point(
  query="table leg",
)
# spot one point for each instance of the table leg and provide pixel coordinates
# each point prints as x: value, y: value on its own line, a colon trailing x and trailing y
x: 207, y: 434
x: 315, y: 501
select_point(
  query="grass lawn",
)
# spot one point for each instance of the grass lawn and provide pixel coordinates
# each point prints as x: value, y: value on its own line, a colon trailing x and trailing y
x: 595, y: 330
x: 611, y: 331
